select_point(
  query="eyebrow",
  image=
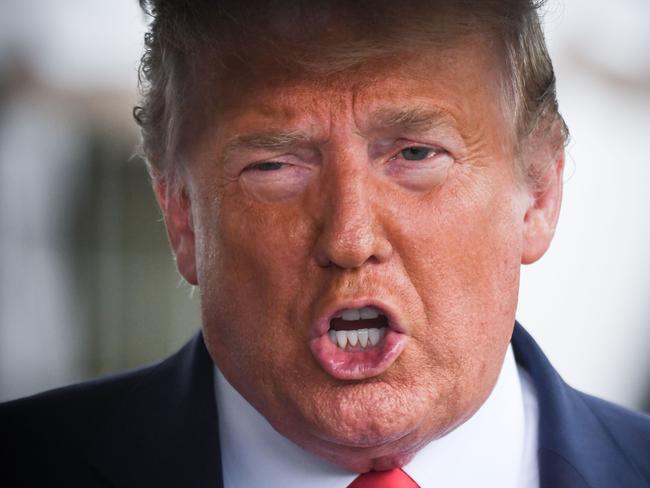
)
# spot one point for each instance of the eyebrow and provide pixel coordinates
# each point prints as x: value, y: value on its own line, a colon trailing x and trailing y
x: 275, y: 140
x: 411, y: 119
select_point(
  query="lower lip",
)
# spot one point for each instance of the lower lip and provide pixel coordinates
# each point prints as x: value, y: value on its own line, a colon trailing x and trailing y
x: 360, y: 364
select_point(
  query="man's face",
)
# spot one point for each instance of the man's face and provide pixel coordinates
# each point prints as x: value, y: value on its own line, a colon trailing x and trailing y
x: 390, y: 188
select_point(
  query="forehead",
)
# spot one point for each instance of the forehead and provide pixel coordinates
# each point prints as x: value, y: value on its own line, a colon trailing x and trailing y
x: 460, y: 85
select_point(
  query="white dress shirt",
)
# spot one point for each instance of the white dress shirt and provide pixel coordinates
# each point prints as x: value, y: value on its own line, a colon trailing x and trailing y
x: 496, y: 447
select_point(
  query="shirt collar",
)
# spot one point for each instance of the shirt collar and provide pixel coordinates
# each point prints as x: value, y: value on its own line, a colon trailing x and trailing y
x: 492, y: 448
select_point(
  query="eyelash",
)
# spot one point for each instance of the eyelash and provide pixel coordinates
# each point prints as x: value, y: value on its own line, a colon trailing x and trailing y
x: 258, y: 166
x: 431, y: 152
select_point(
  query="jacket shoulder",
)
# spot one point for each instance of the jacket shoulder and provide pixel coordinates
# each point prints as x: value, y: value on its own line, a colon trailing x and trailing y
x: 582, y: 440
x: 71, y: 408
x: 46, y: 436
x: 628, y: 429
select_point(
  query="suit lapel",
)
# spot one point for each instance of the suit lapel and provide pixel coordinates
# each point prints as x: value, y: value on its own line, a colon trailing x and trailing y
x: 575, y: 450
x: 165, y: 432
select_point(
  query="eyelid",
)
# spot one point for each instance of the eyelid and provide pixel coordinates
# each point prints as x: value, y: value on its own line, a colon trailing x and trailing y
x: 253, y: 166
x: 288, y: 158
x: 283, y: 159
x: 435, y: 150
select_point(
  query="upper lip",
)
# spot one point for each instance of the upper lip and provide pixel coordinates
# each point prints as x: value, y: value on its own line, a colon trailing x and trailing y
x: 322, y: 323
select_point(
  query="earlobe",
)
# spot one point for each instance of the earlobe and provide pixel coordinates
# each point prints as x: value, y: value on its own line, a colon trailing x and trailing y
x: 177, y: 211
x: 543, y: 211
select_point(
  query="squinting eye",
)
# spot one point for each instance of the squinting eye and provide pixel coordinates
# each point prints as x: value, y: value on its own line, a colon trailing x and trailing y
x: 416, y: 153
x: 269, y: 166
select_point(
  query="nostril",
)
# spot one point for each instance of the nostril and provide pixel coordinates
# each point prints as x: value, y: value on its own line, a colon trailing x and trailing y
x: 346, y: 254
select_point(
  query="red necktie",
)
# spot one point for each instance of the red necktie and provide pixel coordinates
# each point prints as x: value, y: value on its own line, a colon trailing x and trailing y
x: 393, y: 478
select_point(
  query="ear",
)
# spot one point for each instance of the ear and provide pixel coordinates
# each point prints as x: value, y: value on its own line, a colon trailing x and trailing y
x: 177, y: 211
x: 543, y: 210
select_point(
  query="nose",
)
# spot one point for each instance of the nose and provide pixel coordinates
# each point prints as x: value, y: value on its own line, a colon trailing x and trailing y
x: 349, y: 232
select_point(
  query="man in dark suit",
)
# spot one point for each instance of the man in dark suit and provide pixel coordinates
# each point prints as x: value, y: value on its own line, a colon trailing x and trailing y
x: 353, y: 186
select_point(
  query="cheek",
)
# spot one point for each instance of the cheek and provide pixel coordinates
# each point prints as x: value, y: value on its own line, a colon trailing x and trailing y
x: 253, y: 274
x: 464, y: 241
x: 462, y: 252
x: 253, y: 245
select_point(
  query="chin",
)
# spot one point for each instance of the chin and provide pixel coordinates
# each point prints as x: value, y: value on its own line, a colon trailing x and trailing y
x: 370, y: 435
x: 369, y: 414
x: 366, y: 459
x: 362, y: 426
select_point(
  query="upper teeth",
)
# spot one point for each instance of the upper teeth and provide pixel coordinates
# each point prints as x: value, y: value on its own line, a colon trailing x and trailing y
x: 360, y: 313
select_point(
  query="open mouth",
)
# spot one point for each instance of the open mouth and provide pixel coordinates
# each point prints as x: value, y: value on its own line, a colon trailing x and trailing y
x: 357, y: 342
x: 357, y: 329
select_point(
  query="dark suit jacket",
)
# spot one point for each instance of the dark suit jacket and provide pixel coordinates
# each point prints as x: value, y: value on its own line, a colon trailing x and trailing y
x: 157, y: 427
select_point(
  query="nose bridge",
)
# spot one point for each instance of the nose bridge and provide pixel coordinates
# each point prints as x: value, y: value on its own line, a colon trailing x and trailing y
x: 351, y: 217
x: 350, y: 234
